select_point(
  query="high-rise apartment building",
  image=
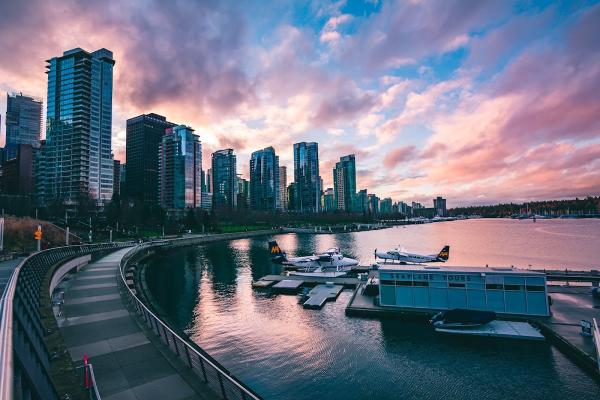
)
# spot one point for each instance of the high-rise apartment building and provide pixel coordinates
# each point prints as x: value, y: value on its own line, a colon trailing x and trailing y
x: 264, y: 180
x: 373, y: 201
x: 78, y: 149
x: 307, y: 181
x: 23, y: 122
x: 144, y: 135
x: 243, y: 192
x: 385, y: 206
x: 224, y: 179
x: 344, y: 183
x: 180, y: 169
x: 329, y: 200
x: 362, y: 201
x: 283, y: 203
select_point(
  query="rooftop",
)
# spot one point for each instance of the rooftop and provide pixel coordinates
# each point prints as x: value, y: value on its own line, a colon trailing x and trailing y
x: 455, y: 269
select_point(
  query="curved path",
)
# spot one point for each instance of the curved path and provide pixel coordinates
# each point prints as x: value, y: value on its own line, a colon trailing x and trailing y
x: 96, y: 322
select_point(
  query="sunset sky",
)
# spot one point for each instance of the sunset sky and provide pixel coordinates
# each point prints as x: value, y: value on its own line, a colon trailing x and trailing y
x: 478, y: 101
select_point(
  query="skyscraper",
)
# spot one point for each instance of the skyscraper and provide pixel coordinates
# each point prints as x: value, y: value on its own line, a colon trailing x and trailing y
x: 224, y: 179
x: 283, y: 203
x: 23, y: 121
x: 180, y: 169
x: 328, y: 200
x: 439, y: 204
x: 78, y: 149
x: 264, y: 180
x: 362, y: 201
x: 344, y: 183
x: 117, y: 177
x: 144, y: 135
x: 243, y: 192
x: 385, y: 206
x: 306, y: 177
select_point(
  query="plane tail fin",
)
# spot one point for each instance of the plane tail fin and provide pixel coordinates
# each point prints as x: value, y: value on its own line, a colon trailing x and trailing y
x: 444, y: 254
x: 275, y: 251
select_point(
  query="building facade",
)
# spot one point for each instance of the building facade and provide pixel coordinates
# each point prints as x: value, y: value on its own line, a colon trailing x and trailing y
x: 264, y: 180
x: 78, y: 149
x: 18, y: 175
x: 385, y: 206
x: 283, y: 203
x: 243, y: 192
x: 180, y: 169
x: 502, y: 290
x: 23, y: 122
x: 329, y: 200
x: 440, y: 206
x: 362, y: 201
x: 344, y: 183
x: 144, y: 136
x: 117, y: 177
x: 373, y: 201
x: 224, y: 179
x: 307, y: 181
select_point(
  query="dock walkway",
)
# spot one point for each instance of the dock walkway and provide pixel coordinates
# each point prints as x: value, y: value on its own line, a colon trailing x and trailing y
x: 127, y: 365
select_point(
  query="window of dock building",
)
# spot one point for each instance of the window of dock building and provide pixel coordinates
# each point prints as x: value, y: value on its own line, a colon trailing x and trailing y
x: 534, y: 288
x: 494, y: 286
x: 456, y: 285
x: 420, y: 283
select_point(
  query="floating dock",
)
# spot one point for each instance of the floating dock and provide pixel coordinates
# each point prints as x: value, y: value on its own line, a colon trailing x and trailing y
x: 312, y: 280
x: 288, y: 285
x: 499, y: 329
x: 321, y: 294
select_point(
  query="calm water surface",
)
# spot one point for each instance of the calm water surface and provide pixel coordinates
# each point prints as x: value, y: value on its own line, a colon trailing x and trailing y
x: 285, y: 352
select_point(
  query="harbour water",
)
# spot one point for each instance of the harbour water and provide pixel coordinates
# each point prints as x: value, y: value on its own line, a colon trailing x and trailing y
x: 286, y: 352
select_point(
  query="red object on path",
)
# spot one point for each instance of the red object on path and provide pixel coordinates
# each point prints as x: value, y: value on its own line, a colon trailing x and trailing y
x: 86, y: 373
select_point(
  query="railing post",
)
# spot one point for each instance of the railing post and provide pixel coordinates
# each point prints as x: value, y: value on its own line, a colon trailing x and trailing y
x: 204, y: 370
x: 166, y: 336
x: 175, y: 344
x: 222, y: 386
x: 187, y: 352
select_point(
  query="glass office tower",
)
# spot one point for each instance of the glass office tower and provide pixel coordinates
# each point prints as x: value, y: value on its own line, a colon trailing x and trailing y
x: 78, y: 151
x: 180, y: 169
x: 224, y: 179
x: 144, y: 135
x: 307, y: 182
x: 23, y: 122
x: 344, y: 183
x: 264, y: 180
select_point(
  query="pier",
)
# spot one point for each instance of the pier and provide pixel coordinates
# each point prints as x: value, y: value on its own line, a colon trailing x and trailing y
x: 312, y: 280
x: 321, y: 294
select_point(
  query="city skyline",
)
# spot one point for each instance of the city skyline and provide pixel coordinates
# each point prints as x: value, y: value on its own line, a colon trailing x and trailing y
x: 499, y: 104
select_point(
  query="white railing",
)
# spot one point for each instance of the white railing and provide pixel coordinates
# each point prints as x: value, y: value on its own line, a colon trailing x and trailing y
x: 215, y: 376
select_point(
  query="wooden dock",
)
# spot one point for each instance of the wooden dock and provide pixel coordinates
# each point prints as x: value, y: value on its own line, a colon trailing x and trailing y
x: 288, y: 285
x: 321, y: 294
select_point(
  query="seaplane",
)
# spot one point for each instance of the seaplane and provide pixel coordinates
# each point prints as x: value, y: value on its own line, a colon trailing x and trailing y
x: 330, y: 263
x: 411, y: 258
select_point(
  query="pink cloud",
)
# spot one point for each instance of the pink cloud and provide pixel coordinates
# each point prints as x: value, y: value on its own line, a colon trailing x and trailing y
x: 398, y: 156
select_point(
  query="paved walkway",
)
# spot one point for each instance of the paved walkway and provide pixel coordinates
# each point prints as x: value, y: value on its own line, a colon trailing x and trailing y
x: 95, y: 322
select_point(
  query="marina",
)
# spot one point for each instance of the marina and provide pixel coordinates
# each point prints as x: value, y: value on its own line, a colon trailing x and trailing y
x: 397, y: 344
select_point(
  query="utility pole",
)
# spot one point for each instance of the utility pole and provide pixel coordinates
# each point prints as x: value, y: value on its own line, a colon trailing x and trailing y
x: 67, y: 238
x: 110, y: 236
x: 36, y: 213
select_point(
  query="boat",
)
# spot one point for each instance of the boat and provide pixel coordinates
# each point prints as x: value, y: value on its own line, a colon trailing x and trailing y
x: 459, y: 318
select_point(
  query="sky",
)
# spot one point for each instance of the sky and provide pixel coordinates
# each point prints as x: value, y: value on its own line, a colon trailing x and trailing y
x: 478, y: 101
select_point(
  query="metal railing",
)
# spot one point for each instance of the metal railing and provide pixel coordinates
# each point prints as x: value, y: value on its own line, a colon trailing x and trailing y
x: 596, y: 334
x: 88, y: 381
x: 24, y: 358
x: 215, y: 376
